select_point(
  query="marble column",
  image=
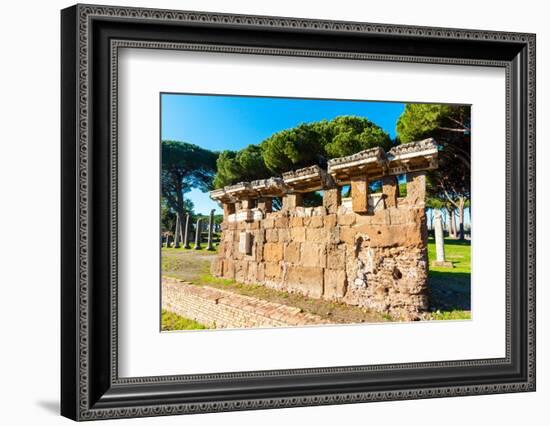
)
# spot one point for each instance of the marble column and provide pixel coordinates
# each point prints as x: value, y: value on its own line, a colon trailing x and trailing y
x: 439, y: 242
x: 210, y: 230
x: 198, y: 234
x: 177, y: 233
x: 186, y: 232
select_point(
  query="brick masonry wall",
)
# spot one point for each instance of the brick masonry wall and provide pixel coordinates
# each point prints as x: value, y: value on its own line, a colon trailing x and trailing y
x: 223, y: 309
x: 376, y: 259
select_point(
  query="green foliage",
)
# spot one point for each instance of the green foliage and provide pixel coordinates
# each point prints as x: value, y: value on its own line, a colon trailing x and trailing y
x: 293, y: 148
x: 185, y: 166
x: 449, y: 125
x: 304, y: 145
x: 435, y: 203
x: 312, y: 199
x: 419, y: 121
x: 218, y: 218
x: 402, y: 189
x: 172, y: 322
x: 347, y: 135
x: 192, y: 164
x: 168, y: 216
x: 245, y: 165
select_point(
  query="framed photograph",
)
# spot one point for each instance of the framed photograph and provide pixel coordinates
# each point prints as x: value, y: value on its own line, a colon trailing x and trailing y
x: 263, y: 212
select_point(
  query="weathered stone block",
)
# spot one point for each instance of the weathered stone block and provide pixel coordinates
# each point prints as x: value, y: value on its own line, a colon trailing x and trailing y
x: 298, y: 234
x: 296, y: 221
x: 241, y: 270
x: 335, y: 284
x: 316, y: 221
x: 416, y: 188
x: 390, y: 190
x: 259, y: 236
x: 306, y: 280
x: 346, y: 219
x: 258, y: 251
x: 313, y: 254
x: 292, y: 252
x: 347, y: 234
x: 317, y: 235
x: 364, y: 219
x: 283, y: 234
x: 273, y: 252
x: 360, y: 194
x: 272, y: 235
x: 336, y: 256
x: 329, y: 221
x: 272, y: 270
x: 332, y: 199
x: 260, y: 272
x: 318, y: 211
x: 398, y: 216
x: 237, y: 255
x: 381, y: 217
x: 291, y: 201
x: 388, y: 236
x: 228, y: 269
x: 252, y: 273
x: 281, y: 222
x: 216, y: 268
x: 268, y: 222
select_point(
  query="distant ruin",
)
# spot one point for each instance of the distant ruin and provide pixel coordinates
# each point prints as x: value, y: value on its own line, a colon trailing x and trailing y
x: 368, y: 249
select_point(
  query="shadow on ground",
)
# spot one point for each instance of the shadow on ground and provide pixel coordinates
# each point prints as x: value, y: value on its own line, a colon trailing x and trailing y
x: 449, y: 290
x: 51, y: 407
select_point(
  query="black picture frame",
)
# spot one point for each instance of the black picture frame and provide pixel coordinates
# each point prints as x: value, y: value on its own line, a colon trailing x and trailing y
x: 90, y: 386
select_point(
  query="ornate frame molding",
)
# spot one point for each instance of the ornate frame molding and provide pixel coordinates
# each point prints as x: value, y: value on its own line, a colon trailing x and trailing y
x: 88, y: 403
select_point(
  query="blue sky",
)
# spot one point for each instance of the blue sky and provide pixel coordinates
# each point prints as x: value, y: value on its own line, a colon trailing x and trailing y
x: 233, y: 122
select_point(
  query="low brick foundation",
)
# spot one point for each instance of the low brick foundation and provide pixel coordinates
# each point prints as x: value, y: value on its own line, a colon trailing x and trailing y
x: 217, y: 308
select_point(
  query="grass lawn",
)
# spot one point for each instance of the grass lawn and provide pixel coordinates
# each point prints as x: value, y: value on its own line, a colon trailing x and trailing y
x: 450, y: 288
x: 171, y: 322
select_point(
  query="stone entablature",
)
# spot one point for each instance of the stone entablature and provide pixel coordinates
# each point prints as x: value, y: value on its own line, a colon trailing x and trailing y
x: 375, y: 164
x: 369, y: 250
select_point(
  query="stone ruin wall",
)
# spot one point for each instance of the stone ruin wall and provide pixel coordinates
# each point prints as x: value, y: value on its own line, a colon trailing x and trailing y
x: 369, y: 250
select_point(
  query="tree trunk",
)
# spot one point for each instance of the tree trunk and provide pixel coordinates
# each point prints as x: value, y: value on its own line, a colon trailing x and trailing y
x: 444, y: 222
x: 452, y: 222
x: 461, y: 218
x: 177, y: 234
x: 180, y: 210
